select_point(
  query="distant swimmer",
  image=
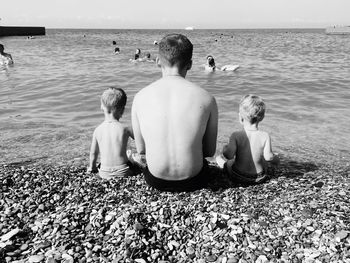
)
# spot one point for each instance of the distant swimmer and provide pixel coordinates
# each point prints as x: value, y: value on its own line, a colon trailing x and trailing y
x: 147, y: 58
x: 114, y: 43
x: 210, y: 65
x: 117, y: 50
x: 136, y: 56
x: 155, y: 42
x: 5, y: 58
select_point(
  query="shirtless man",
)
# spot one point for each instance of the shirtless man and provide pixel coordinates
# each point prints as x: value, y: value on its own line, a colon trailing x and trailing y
x: 175, y: 122
x: 5, y: 58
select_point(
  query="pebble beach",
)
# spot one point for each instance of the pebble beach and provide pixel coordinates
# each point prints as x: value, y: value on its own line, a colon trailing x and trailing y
x: 61, y: 214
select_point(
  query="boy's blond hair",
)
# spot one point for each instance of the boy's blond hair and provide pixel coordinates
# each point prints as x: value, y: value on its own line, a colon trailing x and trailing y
x: 252, y: 108
x: 114, y: 99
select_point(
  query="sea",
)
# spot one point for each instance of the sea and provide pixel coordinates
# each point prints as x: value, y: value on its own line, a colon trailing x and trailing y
x: 50, y: 97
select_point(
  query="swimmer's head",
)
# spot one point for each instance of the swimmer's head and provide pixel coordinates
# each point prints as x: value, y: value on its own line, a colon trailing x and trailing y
x: 114, y: 43
x: 176, y: 50
x: 252, y: 108
x: 211, y: 61
x: 138, y: 51
x: 114, y: 101
x: 148, y: 55
x: 1, y: 48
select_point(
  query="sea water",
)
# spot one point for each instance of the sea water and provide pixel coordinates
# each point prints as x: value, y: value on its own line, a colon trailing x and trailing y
x: 50, y: 98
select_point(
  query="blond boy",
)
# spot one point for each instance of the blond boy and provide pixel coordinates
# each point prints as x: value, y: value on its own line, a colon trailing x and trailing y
x: 249, y: 150
x: 110, y: 138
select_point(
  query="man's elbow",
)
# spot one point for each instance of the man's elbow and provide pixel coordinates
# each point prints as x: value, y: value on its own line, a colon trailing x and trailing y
x: 272, y: 158
x: 209, y: 151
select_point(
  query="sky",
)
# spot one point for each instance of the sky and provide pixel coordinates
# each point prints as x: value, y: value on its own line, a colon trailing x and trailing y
x: 166, y: 14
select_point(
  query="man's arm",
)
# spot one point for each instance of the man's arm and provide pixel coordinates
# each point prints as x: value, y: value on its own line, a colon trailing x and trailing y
x: 229, y: 150
x: 139, y: 142
x: 211, y: 132
x: 94, y: 151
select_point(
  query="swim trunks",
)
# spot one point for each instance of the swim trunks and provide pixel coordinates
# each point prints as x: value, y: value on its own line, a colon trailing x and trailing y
x: 116, y: 171
x: 187, y: 185
x: 245, y: 178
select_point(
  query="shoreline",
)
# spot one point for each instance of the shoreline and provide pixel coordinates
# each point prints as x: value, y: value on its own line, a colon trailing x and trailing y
x: 300, y: 215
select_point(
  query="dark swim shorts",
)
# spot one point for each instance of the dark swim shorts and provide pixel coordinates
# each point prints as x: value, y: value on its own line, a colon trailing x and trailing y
x: 187, y: 185
x: 245, y: 178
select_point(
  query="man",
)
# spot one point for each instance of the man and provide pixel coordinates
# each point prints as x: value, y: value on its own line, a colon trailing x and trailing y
x: 5, y: 58
x: 175, y: 122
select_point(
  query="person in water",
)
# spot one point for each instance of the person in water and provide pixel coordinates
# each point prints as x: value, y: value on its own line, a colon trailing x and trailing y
x: 146, y: 58
x: 175, y: 122
x: 117, y: 50
x: 5, y: 58
x: 137, y: 54
x: 210, y: 65
x: 110, y: 138
x: 248, y: 152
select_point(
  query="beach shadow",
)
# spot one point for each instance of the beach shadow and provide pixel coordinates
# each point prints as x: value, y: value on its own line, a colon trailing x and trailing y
x: 293, y: 169
x: 290, y: 169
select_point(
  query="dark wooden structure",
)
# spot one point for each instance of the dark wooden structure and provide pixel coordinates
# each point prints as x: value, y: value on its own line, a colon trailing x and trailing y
x: 6, y: 31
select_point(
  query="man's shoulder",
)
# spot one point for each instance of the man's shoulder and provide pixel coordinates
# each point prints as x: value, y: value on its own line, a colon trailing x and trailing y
x: 238, y: 134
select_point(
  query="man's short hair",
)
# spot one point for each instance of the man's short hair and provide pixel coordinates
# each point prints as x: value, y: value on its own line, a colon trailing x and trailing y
x: 114, y: 99
x: 176, y: 49
x: 252, y: 108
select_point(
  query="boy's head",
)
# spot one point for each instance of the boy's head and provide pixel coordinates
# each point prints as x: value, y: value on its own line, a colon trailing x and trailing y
x: 114, y: 101
x: 176, y: 50
x: 252, y: 108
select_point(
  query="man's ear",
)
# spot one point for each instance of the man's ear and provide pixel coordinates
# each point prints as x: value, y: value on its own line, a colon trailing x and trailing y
x: 158, y: 62
x: 189, y: 65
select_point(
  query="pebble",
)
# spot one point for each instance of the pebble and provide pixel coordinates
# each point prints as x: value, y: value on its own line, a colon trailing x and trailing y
x: 36, y: 258
x: 211, y: 258
x: 10, y: 234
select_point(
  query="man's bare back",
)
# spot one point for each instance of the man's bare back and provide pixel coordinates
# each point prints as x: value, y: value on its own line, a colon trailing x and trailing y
x: 175, y: 124
x: 173, y: 115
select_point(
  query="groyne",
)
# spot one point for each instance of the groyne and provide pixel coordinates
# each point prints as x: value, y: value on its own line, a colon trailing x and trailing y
x: 21, y: 31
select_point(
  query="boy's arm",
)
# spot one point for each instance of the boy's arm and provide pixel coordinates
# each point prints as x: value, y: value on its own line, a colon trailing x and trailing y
x: 94, y: 151
x: 229, y: 150
x: 139, y: 142
x: 211, y: 132
x: 269, y: 156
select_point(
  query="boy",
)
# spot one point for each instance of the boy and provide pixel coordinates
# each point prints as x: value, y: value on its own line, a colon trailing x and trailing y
x: 249, y: 150
x: 110, y: 138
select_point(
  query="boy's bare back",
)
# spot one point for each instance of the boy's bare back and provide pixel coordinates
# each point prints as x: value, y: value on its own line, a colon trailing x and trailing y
x: 112, y: 139
x: 251, y: 150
